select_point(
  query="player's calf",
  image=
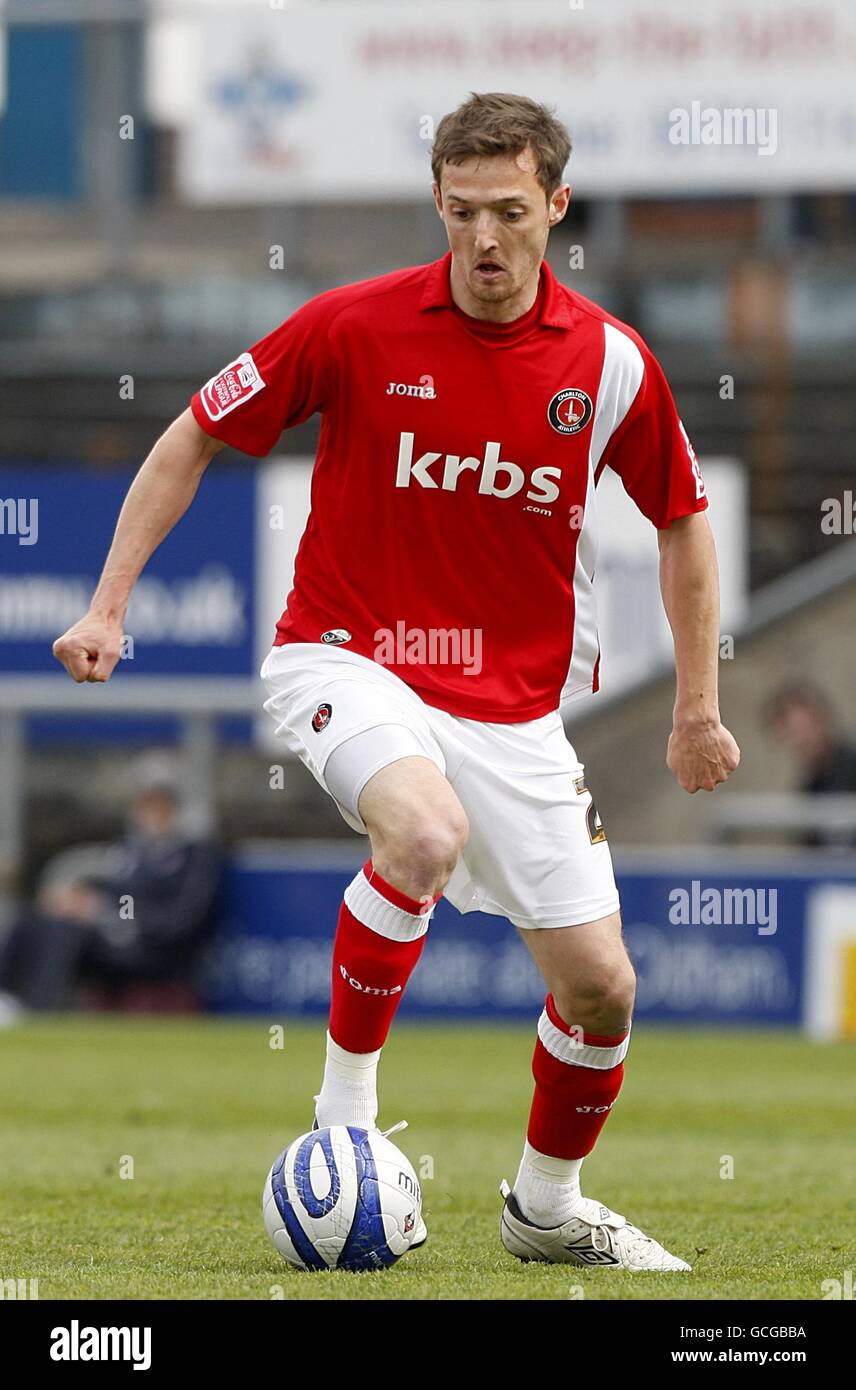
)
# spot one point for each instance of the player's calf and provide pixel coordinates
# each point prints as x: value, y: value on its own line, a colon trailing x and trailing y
x: 417, y: 830
x: 578, y: 1068
x: 379, y: 939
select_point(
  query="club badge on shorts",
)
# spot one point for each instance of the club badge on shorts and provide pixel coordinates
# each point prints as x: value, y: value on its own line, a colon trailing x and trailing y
x: 322, y: 716
x: 570, y: 410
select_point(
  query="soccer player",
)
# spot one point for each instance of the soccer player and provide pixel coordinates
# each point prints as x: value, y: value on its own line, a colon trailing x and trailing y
x: 442, y: 616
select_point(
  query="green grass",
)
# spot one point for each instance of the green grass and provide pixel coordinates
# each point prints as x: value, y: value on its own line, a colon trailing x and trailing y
x: 203, y: 1108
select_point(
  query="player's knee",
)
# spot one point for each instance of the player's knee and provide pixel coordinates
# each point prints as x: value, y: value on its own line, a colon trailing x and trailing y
x: 421, y: 855
x: 603, y: 1004
x: 435, y: 846
x: 438, y: 847
x: 619, y: 998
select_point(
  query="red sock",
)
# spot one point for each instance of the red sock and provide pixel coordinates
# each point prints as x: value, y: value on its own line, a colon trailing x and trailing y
x: 577, y: 1079
x: 379, y: 939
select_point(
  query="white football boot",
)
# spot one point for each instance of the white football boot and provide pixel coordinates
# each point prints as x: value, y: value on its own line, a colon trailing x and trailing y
x: 420, y: 1235
x: 593, y: 1237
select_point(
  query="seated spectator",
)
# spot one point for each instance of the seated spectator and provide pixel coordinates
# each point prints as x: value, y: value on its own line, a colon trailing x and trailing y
x: 146, y: 922
x: 804, y: 721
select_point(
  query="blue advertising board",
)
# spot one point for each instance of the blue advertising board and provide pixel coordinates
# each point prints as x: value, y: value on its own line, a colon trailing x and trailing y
x: 41, y: 128
x: 721, y: 946
x: 191, y: 612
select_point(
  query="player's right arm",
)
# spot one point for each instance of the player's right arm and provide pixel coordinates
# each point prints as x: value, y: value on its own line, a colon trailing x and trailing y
x: 159, y: 496
x: 282, y: 380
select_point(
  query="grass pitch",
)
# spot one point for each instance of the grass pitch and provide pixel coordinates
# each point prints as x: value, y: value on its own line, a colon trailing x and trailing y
x: 201, y: 1109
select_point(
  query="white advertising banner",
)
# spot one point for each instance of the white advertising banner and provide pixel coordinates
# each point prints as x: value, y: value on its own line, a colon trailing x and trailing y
x: 340, y: 100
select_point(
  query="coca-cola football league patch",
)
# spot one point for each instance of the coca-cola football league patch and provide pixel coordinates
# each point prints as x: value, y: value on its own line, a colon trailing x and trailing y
x: 236, y: 383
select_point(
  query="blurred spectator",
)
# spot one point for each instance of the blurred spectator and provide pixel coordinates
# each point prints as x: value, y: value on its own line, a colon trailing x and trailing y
x: 143, y: 922
x: 804, y: 721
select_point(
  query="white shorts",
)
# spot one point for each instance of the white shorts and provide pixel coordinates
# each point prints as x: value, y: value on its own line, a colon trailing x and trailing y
x: 536, y: 852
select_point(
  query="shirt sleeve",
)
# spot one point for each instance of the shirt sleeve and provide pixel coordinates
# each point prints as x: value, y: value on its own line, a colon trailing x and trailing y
x: 280, y: 381
x: 651, y: 452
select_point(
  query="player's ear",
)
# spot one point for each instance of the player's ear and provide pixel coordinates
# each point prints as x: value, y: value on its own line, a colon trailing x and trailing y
x: 559, y: 204
x: 438, y: 198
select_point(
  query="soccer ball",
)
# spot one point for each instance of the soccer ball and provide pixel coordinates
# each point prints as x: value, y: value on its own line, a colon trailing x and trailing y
x: 341, y: 1198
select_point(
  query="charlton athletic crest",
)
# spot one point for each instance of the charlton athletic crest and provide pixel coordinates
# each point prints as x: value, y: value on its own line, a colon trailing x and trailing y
x: 570, y: 410
x: 321, y: 718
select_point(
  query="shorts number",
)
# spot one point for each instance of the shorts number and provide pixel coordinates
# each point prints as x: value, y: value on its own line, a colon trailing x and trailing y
x: 597, y: 834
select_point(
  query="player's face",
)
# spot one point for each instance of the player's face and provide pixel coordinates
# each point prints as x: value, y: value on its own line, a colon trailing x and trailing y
x: 497, y: 219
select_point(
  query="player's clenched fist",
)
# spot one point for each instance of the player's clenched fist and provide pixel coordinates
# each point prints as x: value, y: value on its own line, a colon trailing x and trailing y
x: 702, y: 757
x: 90, y: 649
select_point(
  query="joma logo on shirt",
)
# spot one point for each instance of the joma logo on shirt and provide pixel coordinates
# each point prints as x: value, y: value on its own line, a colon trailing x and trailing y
x: 401, y: 388
x: 499, y: 477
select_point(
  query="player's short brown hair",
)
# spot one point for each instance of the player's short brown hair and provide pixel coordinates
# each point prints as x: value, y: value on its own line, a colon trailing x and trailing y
x: 491, y: 123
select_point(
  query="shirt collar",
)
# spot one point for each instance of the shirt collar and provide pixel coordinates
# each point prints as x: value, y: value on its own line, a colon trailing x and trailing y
x: 437, y: 293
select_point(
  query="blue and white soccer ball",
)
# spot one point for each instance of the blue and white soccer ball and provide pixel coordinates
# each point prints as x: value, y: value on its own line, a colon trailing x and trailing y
x: 342, y: 1198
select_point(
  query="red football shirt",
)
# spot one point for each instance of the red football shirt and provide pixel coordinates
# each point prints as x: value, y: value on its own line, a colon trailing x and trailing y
x: 452, y: 533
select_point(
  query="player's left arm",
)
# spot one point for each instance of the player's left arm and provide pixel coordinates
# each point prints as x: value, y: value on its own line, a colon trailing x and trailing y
x: 701, y: 752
